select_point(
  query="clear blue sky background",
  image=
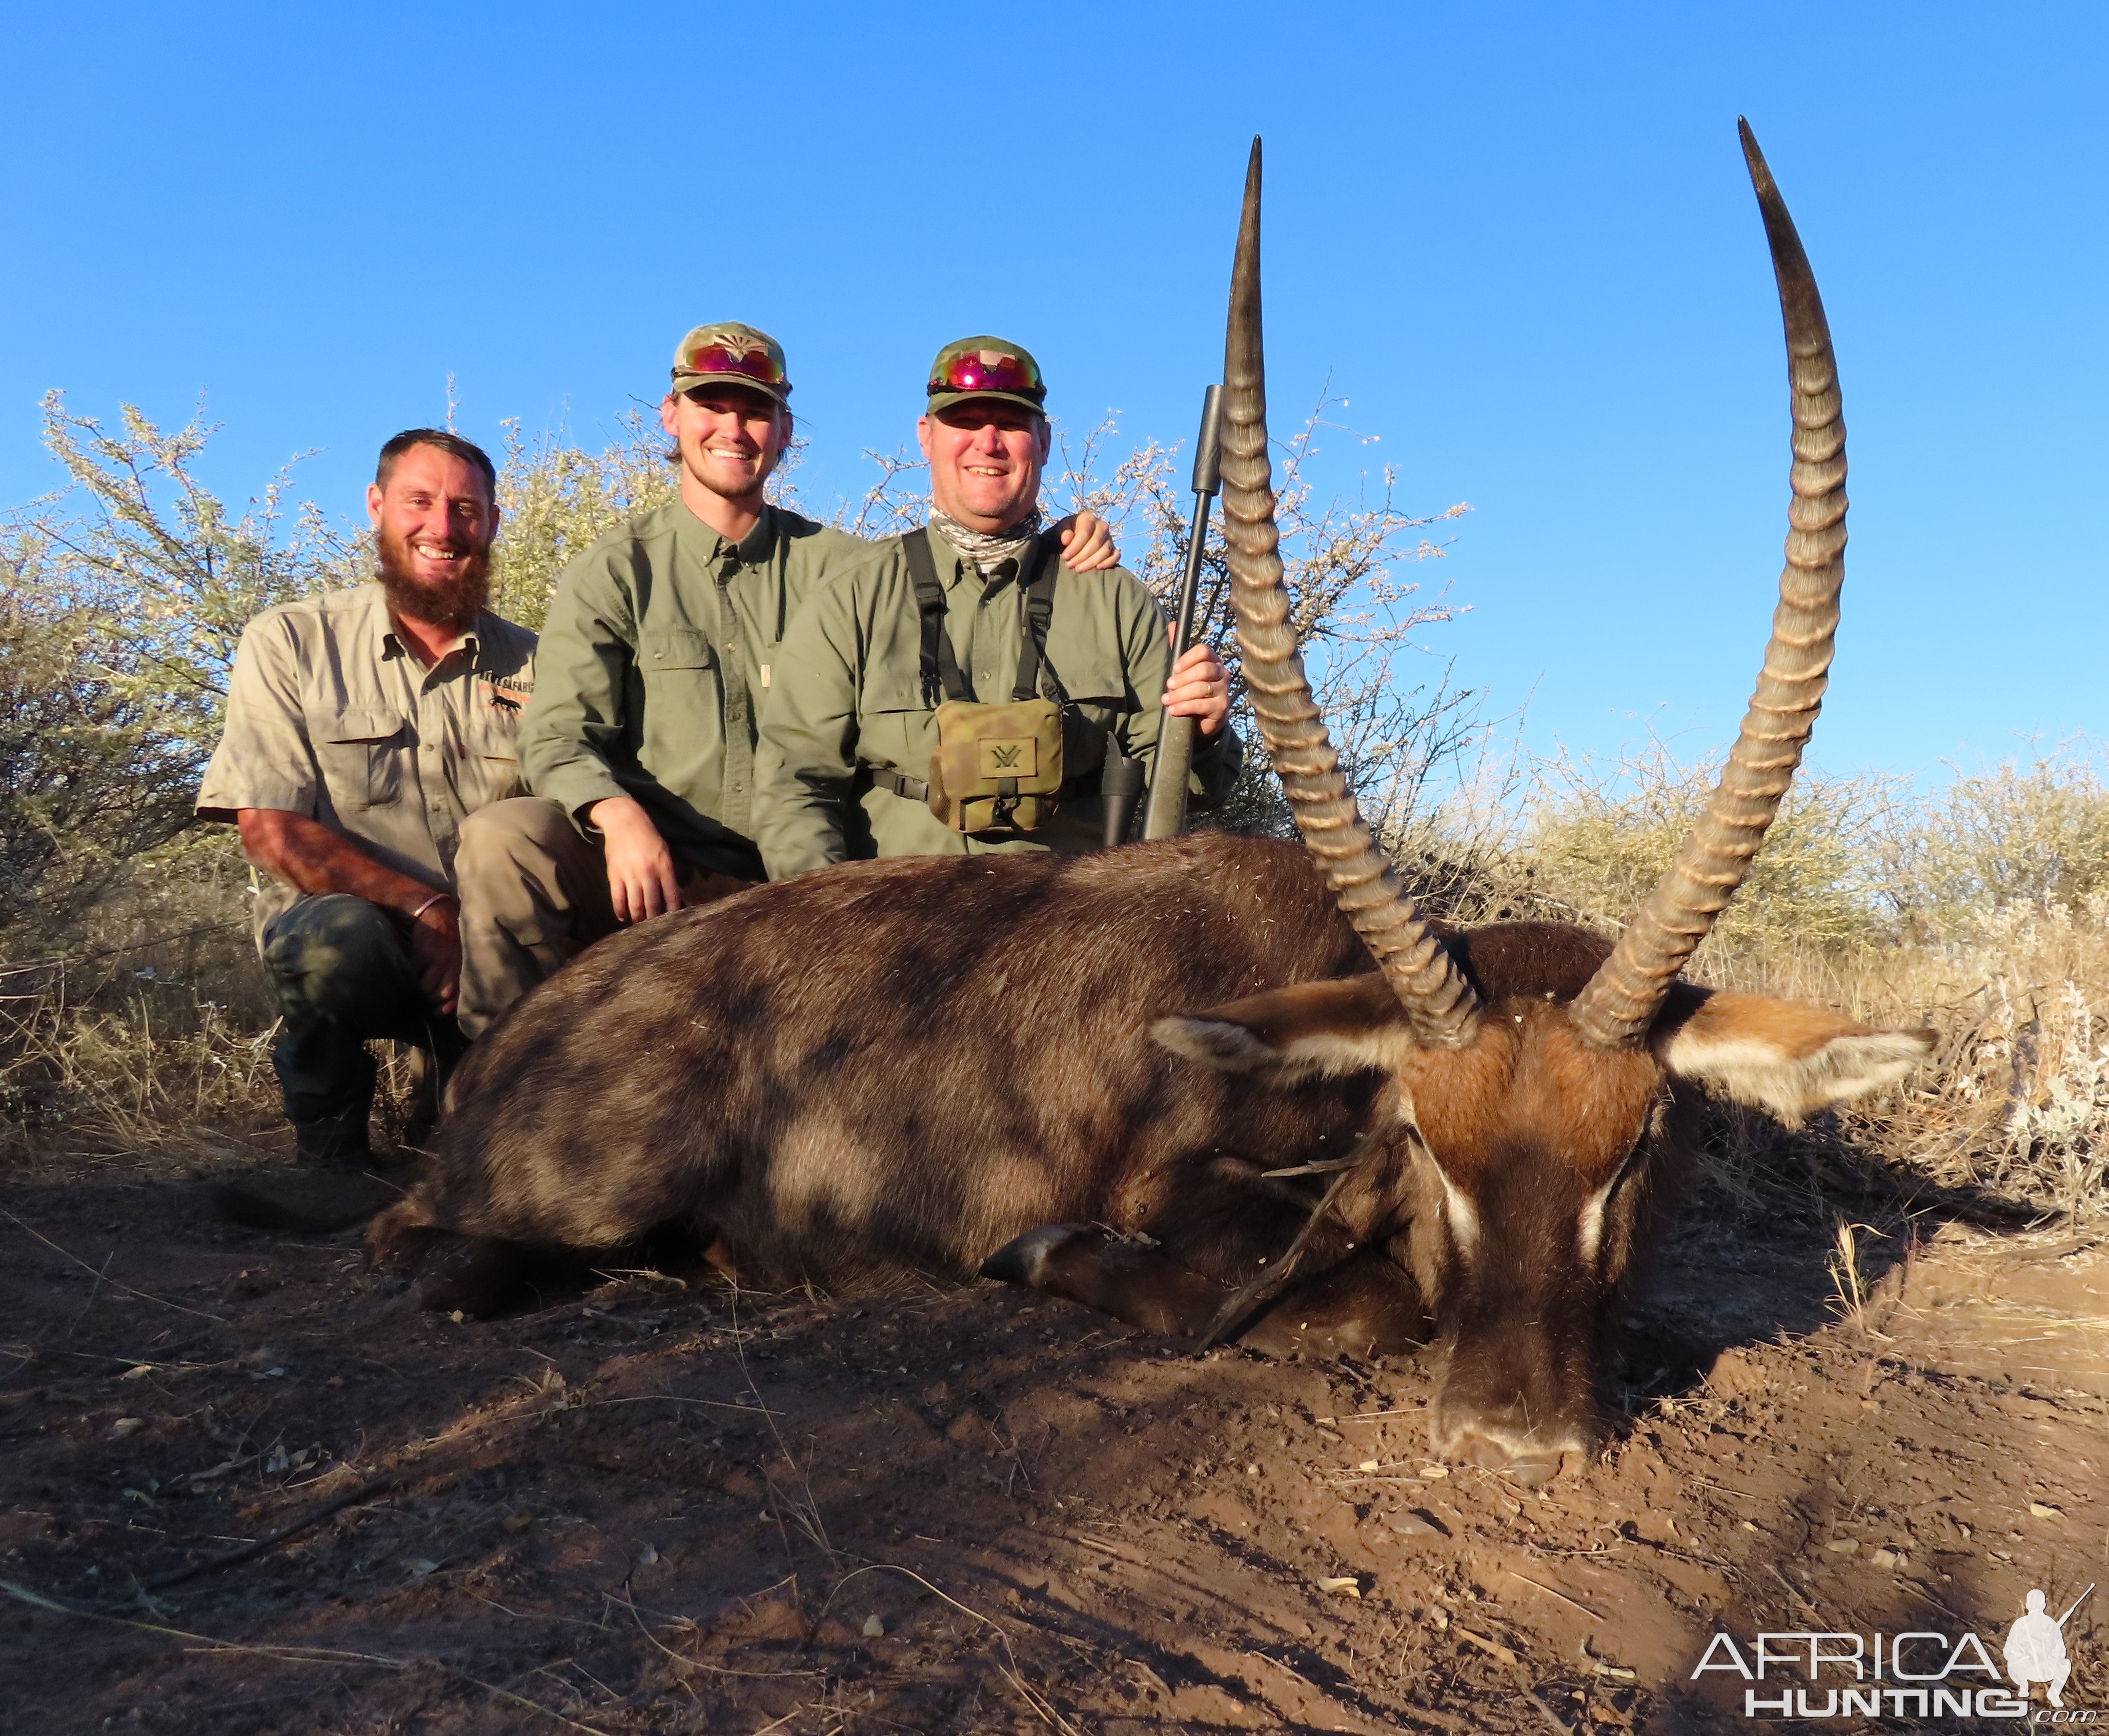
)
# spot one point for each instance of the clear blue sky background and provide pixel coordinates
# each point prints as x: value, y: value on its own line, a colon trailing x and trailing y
x: 1518, y: 238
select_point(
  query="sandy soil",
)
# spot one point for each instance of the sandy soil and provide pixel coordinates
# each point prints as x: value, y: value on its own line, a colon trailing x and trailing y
x: 650, y: 1508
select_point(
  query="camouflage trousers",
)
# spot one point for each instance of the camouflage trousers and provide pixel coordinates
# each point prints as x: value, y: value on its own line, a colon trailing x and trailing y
x: 534, y: 895
x: 344, y: 974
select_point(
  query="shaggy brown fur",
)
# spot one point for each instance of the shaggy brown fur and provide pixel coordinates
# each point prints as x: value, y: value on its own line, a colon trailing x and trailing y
x: 938, y: 1066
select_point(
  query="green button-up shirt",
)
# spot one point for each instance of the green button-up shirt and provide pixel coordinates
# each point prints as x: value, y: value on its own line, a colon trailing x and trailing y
x: 850, y: 697
x: 661, y: 648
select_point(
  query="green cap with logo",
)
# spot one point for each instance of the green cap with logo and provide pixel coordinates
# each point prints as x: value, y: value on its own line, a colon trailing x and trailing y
x: 986, y: 367
x: 731, y: 354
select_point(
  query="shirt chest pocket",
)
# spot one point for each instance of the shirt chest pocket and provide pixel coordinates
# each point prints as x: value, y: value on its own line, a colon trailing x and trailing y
x: 1097, y: 677
x: 490, y: 757
x: 667, y: 649
x: 1097, y: 685
x: 681, y: 732
x: 360, y: 748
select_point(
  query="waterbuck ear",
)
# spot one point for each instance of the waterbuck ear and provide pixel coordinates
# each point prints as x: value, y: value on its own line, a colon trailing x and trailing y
x: 1791, y: 1059
x: 1341, y: 1026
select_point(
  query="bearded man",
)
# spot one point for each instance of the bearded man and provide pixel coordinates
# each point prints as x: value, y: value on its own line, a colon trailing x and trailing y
x: 362, y: 729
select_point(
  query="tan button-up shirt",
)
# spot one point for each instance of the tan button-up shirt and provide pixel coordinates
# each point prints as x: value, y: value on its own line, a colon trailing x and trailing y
x: 331, y: 714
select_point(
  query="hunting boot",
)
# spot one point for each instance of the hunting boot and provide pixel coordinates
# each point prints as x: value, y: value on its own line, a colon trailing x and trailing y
x: 343, y: 980
x: 334, y: 1141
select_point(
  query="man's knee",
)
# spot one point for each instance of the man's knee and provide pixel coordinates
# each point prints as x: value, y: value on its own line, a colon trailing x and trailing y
x: 525, y: 876
x: 332, y: 954
x: 522, y: 838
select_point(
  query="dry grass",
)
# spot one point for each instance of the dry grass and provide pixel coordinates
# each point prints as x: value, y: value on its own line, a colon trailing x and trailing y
x: 84, y: 1080
x: 155, y: 1035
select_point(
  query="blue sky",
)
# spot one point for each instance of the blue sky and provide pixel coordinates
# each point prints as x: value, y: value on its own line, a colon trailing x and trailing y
x: 1517, y: 238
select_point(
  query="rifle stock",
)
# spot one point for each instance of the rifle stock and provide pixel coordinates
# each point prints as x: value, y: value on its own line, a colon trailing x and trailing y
x: 1120, y: 782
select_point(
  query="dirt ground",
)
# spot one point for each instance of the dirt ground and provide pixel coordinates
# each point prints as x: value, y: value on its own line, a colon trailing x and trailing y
x: 649, y: 1508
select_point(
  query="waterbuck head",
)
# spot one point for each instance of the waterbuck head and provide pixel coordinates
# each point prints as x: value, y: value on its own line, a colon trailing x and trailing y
x: 1544, y: 1077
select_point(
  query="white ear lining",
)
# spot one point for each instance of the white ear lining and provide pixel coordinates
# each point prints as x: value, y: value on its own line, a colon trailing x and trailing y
x: 1752, y: 1070
x: 1590, y: 1231
x: 1230, y: 1047
x: 1214, y: 1042
x: 1463, y: 1217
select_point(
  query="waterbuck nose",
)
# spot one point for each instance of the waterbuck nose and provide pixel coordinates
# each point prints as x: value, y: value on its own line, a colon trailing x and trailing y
x: 1513, y: 1405
x: 1528, y: 1456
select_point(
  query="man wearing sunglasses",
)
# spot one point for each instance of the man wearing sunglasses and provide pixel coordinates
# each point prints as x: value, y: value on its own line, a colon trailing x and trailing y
x: 659, y: 656
x: 984, y: 610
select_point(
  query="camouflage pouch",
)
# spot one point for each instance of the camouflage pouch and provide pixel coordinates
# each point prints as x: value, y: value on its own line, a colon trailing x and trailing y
x: 996, y: 765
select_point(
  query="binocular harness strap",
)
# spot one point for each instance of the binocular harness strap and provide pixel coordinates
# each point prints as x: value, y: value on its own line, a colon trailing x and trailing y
x: 940, y: 670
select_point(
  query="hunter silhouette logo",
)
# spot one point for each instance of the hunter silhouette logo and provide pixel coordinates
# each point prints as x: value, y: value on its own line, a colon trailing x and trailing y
x: 2035, y: 1649
x: 1921, y: 1674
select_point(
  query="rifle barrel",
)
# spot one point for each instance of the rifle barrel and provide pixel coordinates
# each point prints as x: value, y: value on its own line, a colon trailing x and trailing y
x: 1165, y: 814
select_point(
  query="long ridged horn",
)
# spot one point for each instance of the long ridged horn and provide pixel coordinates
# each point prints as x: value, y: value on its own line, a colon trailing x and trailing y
x: 1439, y: 1003
x: 1620, y: 1001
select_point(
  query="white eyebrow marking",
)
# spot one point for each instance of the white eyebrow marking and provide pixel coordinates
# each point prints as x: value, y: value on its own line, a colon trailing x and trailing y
x: 1592, y: 1226
x: 1464, y: 1218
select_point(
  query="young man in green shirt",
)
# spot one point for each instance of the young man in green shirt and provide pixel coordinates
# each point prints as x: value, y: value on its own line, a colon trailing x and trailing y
x: 845, y: 761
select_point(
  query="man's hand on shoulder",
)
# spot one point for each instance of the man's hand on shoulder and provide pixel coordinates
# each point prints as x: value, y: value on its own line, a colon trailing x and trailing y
x: 641, y: 878
x: 1087, y: 543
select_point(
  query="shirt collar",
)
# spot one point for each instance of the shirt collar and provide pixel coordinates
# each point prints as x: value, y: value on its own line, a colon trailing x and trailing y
x: 954, y: 569
x: 752, y: 549
x: 471, y: 643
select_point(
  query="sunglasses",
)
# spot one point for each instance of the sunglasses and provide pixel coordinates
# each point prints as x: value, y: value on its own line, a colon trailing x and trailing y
x: 749, y: 362
x: 987, y: 370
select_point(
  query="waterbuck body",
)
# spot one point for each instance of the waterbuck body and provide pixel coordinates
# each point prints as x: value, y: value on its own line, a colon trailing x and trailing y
x: 916, y: 1069
x: 892, y: 1069
x: 1076, y: 1075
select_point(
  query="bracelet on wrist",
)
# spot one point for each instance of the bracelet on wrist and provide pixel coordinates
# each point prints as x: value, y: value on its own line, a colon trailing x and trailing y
x: 437, y: 898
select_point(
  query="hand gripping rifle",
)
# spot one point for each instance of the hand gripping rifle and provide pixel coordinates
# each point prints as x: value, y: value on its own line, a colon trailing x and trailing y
x: 1165, y: 815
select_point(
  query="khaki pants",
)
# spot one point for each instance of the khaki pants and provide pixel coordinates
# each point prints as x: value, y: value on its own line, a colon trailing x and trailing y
x: 533, y: 896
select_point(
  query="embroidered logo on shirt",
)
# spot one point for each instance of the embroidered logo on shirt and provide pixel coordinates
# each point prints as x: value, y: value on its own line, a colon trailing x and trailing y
x: 505, y: 693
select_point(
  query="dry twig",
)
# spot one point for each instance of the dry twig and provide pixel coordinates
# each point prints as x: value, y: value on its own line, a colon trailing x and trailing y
x: 314, y: 1516
x: 161, y: 1301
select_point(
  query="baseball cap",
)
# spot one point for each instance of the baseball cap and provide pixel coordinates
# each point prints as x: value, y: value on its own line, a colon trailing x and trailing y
x: 736, y: 354
x: 986, y: 367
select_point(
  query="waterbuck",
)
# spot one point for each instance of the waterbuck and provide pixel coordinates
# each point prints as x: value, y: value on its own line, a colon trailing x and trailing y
x: 1087, y: 1074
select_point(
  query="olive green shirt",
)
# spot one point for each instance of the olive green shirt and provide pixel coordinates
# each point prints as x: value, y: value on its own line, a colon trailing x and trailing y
x: 849, y: 698
x: 330, y: 714
x: 660, y: 648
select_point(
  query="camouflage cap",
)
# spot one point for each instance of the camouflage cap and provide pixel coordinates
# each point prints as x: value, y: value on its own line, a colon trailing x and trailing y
x: 736, y: 354
x: 986, y: 367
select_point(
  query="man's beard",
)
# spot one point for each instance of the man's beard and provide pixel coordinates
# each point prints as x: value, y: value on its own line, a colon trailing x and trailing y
x: 453, y: 604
